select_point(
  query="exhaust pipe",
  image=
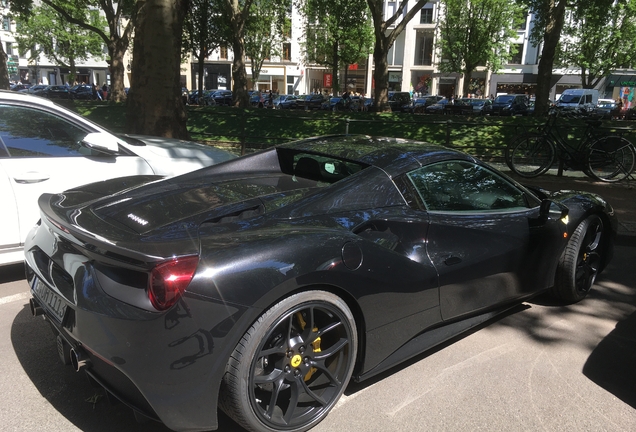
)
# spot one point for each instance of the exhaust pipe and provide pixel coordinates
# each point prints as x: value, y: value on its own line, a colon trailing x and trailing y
x: 36, y: 309
x: 79, y: 359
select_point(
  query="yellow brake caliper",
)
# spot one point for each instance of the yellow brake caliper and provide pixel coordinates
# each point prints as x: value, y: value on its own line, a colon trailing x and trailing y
x: 315, y: 344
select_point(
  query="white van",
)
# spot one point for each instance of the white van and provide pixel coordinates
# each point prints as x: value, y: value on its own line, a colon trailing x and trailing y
x: 578, y: 99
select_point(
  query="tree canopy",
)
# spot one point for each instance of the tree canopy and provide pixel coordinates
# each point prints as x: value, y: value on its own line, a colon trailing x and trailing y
x: 46, y: 32
x: 337, y: 33
x: 599, y: 37
x: 477, y: 33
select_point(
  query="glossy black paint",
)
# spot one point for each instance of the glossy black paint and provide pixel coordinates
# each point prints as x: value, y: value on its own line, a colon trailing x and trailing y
x: 411, y: 277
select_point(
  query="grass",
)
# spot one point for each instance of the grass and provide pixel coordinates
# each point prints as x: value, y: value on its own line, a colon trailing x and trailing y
x: 253, y: 129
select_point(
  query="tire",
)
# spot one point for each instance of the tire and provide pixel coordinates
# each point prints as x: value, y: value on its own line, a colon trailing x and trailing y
x: 292, y: 365
x: 610, y: 159
x: 530, y: 155
x: 580, y: 261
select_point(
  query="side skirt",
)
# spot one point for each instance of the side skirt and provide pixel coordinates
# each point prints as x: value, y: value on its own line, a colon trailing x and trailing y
x: 430, y: 339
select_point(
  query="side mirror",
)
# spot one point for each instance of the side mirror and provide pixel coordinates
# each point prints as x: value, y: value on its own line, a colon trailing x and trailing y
x: 101, y: 142
x: 553, y: 210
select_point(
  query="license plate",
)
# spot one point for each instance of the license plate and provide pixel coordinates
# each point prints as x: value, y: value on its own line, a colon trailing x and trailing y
x: 50, y: 300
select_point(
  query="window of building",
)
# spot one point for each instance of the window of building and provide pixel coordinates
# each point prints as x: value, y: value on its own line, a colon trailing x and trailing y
x: 517, y: 57
x: 426, y: 14
x: 6, y: 23
x: 223, y: 52
x: 424, y: 49
x: 8, y: 48
x: 286, y: 52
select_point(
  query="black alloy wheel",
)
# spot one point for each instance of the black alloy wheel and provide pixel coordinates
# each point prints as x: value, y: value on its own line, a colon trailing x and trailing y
x: 580, y: 261
x: 292, y: 365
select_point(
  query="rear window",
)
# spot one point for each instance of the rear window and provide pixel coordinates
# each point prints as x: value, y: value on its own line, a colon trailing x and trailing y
x: 318, y: 167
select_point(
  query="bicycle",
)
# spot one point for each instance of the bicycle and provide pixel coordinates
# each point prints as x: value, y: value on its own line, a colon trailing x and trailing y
x: 607, y: 158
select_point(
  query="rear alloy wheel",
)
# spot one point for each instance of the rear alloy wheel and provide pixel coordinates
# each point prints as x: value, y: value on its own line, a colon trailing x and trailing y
x: 291, y: 367
x: 580, y: 261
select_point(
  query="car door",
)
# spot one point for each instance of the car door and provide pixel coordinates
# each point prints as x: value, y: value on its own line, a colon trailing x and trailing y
x: 43, y: 154
x: 486, y: 237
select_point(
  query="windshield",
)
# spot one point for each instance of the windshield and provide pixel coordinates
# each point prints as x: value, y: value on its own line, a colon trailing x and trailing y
x: 504, y: 99
x: 570, y: 98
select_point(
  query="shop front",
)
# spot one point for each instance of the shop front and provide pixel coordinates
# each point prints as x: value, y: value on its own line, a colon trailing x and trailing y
x: 623, y: 87
x: 216, y: 76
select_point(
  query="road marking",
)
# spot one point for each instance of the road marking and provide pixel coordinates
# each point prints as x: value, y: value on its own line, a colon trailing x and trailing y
x: 15, y: 297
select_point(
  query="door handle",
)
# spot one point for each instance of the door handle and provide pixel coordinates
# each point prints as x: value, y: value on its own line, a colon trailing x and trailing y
x: 31, y: 177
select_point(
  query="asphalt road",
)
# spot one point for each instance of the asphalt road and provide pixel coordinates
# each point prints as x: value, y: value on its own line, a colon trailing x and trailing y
x: 541, y: 367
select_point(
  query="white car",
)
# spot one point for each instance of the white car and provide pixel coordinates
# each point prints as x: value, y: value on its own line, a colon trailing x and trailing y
x: 47, y: 148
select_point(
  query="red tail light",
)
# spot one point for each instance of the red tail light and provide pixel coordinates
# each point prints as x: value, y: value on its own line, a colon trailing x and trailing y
x: 169, y: 280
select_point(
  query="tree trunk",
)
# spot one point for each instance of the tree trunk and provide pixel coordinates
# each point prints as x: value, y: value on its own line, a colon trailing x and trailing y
x: 335, y: 71
x: 381, y: 74
x: 117, y: 71
x: 155, y: 106
x: 201, y: 67
x: 468, y: 74
x: 239, y: 75
x: 551, y: 38
x: 4, y: 70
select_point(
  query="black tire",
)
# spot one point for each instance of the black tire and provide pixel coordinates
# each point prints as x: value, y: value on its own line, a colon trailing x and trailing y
x: 581, y: 261
x: 530, y: 155
x: 610, y: 159
x: 291, y: 367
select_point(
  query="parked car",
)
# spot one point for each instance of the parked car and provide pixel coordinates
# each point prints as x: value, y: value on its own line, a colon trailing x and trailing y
x: 53, y: 92
x: 265, y: 284
x: 222, y: 97
x: 33, y: 89
x: 480, y: 106
x: 19, y: 87
x: 310, y: 101
x: 398, y: 99
x: 437, y: 108
x: 459, y: 107
x: 285, y: 101
x: 56, y: 149
x: 419, y: 104
x: 81, y: 91
x: 605, y: 109
x: 510, y: 104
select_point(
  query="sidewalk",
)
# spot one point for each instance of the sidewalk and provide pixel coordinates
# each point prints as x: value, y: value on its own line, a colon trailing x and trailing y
x: 621, y: 195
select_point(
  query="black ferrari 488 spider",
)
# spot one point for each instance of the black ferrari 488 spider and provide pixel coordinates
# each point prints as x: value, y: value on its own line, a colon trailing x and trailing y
x: 264, y: 284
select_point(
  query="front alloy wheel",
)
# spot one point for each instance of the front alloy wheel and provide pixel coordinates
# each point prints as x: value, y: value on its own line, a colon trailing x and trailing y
x: 292, y: 365
x: 580, y: 261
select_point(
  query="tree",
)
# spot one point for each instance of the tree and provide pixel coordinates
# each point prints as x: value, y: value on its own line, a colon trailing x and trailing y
x: 46, y: 31
x: 600, y: 37
x: 120, y: 18
x: 155, y: 106
x: 386, y: 32
x: 337, y: 33
x: 203, y: 33
x: 549, y: 17
x: 477, y: 32
x: 267, y: 25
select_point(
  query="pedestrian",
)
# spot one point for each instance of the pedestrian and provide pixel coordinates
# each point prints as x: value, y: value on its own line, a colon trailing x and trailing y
x: 104, y: 91
x: 270, y: 102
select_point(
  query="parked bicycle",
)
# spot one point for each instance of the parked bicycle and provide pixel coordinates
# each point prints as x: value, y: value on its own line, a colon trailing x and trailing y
x: 602, y: 156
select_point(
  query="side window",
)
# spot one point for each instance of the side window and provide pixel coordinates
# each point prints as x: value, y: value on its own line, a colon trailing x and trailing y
x: 28, y: 132
x: 463, y: 186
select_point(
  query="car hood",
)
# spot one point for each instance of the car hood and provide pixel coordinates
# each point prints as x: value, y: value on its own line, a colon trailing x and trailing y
x: 170, y: 157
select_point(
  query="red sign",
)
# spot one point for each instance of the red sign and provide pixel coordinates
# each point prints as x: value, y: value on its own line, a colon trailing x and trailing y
x: 353, y: 66
x: 326, y: 80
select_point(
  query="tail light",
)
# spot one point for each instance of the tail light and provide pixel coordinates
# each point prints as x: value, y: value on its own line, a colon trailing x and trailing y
x: 169, y: 280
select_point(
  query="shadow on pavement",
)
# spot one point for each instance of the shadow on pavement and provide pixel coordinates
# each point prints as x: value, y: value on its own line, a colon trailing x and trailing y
x: 612, y: 364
